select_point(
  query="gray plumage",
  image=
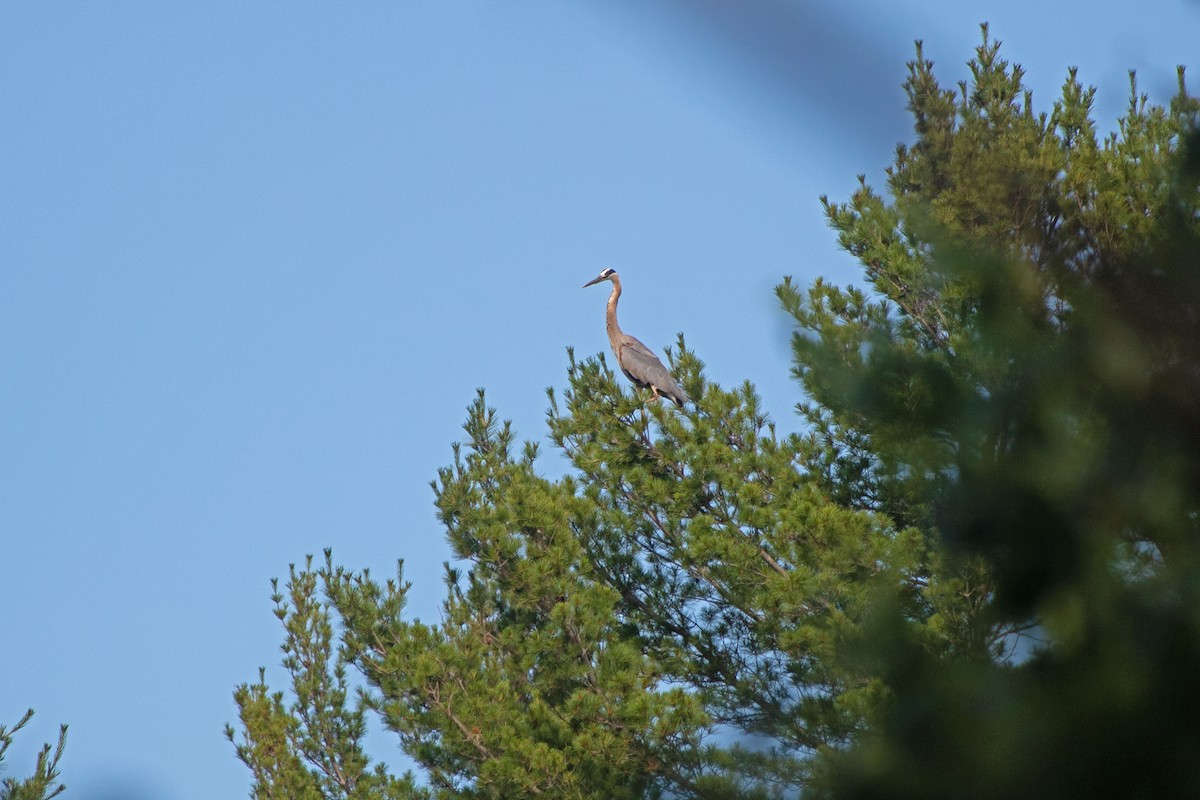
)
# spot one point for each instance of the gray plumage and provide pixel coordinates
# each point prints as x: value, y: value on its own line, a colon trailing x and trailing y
x: 636, y: 360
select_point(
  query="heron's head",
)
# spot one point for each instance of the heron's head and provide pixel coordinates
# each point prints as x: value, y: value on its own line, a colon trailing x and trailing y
x: 605, y: 275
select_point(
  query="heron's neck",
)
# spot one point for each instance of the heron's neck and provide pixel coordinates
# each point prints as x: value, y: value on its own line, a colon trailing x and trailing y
x: 610, y: 315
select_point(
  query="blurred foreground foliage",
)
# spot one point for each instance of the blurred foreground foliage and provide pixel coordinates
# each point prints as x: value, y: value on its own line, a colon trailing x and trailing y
x: 973, y: 574
x: 1028, y: 386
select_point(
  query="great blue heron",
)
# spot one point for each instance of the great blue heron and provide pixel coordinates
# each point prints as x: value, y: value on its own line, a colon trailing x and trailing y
x: 635, y: 359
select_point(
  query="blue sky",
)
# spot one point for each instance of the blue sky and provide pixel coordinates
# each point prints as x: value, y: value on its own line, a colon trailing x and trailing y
x: 255, y: 259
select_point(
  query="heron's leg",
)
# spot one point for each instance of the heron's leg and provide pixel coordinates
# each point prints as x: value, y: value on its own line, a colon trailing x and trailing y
x: 645, y: 418
x: 655, y: 397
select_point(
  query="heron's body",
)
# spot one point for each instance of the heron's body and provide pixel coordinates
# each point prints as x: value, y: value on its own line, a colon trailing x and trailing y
x: 636, y: 360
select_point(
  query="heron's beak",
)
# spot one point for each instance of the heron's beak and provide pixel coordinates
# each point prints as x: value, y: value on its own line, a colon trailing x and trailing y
x: 593, y: 281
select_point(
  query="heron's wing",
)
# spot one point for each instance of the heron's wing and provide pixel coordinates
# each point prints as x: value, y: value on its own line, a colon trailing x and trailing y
x: 642, y: 367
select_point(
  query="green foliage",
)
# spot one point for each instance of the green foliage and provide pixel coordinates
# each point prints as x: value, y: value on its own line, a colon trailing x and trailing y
x: 311, y: 748
x: 1023, y: 379
x: 998, y: 218
x: 42, y: 784
x: 529, y: 685
x: 609, y: 633
x: 701, y: 607
x: 736, y: 572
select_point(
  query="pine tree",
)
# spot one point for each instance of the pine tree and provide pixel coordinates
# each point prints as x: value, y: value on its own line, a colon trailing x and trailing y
x: 1000, y: 445
x: 1005, y: 227
x: 612, y: 630
x: 1022, y: 381
x: 43, y: 783
x: 311, y: 748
